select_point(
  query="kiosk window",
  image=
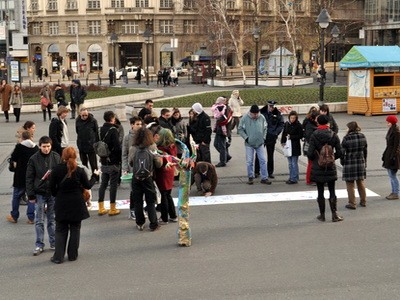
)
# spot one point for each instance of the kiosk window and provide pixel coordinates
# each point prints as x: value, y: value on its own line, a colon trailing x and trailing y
x: 383, y: 81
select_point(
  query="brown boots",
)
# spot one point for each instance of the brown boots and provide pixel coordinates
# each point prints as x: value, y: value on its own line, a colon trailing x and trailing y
x: 333, y: 204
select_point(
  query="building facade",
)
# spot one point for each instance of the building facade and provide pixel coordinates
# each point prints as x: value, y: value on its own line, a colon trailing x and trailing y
x: 76, y: 34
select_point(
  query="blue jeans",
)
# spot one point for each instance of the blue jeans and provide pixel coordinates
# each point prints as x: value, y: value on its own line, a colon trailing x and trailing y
x: 30, y: 211
x: 250, y: 161
x: 293, y: 168
x: 394, y: 181
x: 41, y: 203
x: 109, y: 173
x: 220, y: 145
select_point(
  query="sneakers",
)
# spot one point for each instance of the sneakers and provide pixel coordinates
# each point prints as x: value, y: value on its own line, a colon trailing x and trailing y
x: 173, y: 220
x: 53, y: 247
x: 265, y: 181
x: 349, y: 206
x: 140, y: 227
x: 11, y: 219
x: 132, y: 215
x: 29, y: 221
x: 38, y: 251
x: 250, y: 181
x: 155, y: 229
x: 392, y: 197
x: 161, y: 222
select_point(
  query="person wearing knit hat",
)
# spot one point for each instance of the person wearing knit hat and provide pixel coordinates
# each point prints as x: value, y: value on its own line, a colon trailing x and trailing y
x: 201, y: 132
x: 253, y: 129
x: 391, y: 157
x: 324, y: 138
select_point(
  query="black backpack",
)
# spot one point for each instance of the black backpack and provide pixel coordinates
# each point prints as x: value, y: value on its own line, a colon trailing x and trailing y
x: 142, y: 163
x: 101, y: 147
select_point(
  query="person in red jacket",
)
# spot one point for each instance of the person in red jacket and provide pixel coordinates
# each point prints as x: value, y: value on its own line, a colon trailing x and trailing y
x: 165, y: 176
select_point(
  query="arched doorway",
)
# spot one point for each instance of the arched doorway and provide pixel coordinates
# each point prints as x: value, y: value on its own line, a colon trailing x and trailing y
x: 95, y: 58
x: 72, y: 54
x: 54, y: 53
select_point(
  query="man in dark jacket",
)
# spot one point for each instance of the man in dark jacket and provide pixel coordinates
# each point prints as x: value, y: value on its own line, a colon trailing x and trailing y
x: 38, y: 190
x: 201, y: 131
x: 78, y: 95
x: 206, y: 179
x: 21, y: 154
x: 58, y: 130
x: 110, y: 166
x: 275, y: 124
x: 164, y: 119
x: 87, y: 131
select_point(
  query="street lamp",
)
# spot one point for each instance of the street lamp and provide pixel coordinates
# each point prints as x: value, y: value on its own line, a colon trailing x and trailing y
x: 147, y: 37
x: 281, y: 38
x: 335, y: 34
x: 114, y: 39
x: 256, y: 36
x: 323, y: 21
x: 212, y: 38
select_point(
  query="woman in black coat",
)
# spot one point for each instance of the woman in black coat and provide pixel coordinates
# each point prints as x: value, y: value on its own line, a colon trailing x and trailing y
x: 354, y: 162
x: 293, y: 131
x: 321, y: 175
x: 67, y: 182
x: 391, y: 155
x: 309, y: 126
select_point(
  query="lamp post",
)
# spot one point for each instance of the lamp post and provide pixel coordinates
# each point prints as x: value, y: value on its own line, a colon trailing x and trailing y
x: 212, y: 38
x: 147, y: 36
x: 256, y: 36
x: 280, y: 39
x: 323, y: 21
x: 335, y: 34
x: 114, y: 39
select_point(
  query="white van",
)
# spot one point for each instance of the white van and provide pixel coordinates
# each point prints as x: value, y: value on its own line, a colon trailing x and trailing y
x: 131, y: 71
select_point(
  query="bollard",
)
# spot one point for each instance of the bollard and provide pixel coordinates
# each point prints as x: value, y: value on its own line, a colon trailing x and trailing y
x: 120, y: 111
x: 87, y: 81
x: 30, y: 83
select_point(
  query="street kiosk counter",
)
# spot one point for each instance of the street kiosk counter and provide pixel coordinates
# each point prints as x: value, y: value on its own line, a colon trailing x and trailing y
x: 373, y: 80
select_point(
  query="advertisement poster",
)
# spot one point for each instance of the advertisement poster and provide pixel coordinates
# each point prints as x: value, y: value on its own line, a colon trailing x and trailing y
x: 389, y: 104
x: 14, y: 66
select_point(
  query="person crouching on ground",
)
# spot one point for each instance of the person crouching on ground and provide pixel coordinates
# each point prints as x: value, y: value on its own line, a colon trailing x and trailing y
x: 66, y: 183
x: 205, y: 177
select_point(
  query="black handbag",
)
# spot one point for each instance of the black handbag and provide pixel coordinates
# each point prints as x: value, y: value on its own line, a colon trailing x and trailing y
x: 11, y: 165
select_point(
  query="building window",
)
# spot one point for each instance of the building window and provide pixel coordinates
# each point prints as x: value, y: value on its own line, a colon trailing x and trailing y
x: 142, y: 3
x: 394, y: 10
x: 130, y: 27
x: 165, y: 3
x: 52, y: 5
x: 371, y: 11
x: 72, y: 27
x: 94, y: 4
x: 188, y: 4
x: 25, y: 40
x: 247, y: 26
x: 283, y: 6
x: 247, y: 5
x: 36, y: 28
x: 71, y: 4
x: 166, y: 26
x: 35, y: 5
x: 189, y: 26
x: 117, y: 3
x: 53, y: 28
x: 94, y: 27
x: 298, y: 5
x: 230, y: 4
x: 264, y: 5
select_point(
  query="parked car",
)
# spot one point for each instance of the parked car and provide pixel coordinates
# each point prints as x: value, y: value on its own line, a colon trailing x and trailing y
x: 181, y: 71
x: 131, y: 72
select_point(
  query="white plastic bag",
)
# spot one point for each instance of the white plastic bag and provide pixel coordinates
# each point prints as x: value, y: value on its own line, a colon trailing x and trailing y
x: 287, y: 149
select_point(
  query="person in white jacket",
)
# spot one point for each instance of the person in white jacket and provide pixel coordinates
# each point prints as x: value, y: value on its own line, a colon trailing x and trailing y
x: 235, y: 103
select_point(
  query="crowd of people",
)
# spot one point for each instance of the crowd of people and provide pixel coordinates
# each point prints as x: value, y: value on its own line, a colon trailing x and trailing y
x: 56, y: 187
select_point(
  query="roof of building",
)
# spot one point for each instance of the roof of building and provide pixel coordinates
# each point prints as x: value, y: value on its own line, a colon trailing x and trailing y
x: 371, y: 57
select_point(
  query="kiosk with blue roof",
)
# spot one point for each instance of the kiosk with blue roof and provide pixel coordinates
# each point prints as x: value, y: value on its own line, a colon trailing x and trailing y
x: 373, y: 80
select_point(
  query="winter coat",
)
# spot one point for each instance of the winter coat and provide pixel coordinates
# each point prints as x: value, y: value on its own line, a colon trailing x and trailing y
x: 70, y: 205
x: 391, y: 155
x: 16, y: 100
x: 333, y: 124
x: 319, y: 138
x: 235, y: 103
x: 126, y: 145
x: 309, y: 126
x: 46, y: 93
x: 165, y: 177
x: 295, y: 130
x: 56, y: 131
x: 87, y: 132
x: 60, y: 97
x: 354, y: 156
x: 275, y: 123
x: 179, y: 127
x: 78, y: 93
x: 200, y: 129
x: 38, y: 165
x: 112, y: 140
x: 211, y: 175
x: 253, y: 130
x: 164, y: 123
x: 21, y: 154
x: 5, y: 92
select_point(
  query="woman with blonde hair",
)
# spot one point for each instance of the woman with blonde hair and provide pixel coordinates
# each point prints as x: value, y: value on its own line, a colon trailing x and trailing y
x: 67, y: 184
x: 16, y: 101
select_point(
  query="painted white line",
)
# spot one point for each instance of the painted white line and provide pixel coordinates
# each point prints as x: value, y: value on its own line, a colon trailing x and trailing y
x: 246, y: 198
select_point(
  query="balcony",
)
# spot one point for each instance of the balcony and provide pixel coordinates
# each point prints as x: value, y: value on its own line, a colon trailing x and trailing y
x: 122, y: 10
